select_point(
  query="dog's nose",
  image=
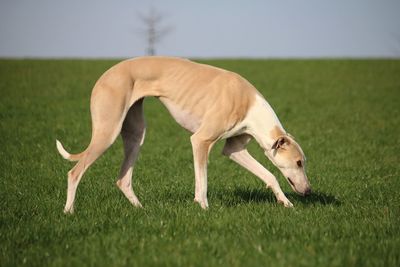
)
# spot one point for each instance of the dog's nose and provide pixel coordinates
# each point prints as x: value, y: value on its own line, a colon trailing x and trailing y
x: 307, y: 192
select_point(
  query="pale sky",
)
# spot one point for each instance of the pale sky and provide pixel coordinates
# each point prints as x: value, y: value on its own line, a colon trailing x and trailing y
x: 219, y: 28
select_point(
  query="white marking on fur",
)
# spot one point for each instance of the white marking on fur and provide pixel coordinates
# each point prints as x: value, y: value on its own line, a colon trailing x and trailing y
x: 261, y: 119
x: 62, y: 151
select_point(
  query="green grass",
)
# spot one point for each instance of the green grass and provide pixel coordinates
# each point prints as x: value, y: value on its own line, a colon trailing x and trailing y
x: 344, y: 113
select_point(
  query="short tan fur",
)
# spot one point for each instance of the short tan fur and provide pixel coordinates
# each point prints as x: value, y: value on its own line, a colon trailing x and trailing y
x: 210, y: 102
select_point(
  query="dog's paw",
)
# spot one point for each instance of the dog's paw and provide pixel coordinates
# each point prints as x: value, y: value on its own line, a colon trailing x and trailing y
x: 286, y: 203
x: 136, y: 203
x: 203, y: 203
x: 69, y: 211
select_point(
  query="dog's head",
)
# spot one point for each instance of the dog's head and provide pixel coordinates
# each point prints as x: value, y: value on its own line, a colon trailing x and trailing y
x: 287, y: 155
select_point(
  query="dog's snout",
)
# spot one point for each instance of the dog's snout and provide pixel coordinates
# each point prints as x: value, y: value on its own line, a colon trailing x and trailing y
x: 307, y: 192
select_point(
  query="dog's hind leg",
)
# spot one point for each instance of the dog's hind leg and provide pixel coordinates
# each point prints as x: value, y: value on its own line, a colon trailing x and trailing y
x: 107, y: 118
x: 100, y: 142
x: 133, y: 132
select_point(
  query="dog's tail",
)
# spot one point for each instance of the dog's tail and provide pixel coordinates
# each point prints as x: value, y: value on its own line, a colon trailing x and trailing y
x: 66, y: 155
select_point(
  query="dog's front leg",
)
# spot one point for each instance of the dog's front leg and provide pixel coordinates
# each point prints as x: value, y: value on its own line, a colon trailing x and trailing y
x: 201, y: 149
x: 236, y: 151
x: 244, y: 159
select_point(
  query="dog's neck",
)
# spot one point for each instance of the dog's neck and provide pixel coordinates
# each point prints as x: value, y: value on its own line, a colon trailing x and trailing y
x: 263, y: 124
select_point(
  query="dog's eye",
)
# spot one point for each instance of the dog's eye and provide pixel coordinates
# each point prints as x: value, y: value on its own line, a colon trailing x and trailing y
x: 299, y: 163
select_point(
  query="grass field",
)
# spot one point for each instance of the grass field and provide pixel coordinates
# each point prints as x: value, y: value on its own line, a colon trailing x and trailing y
x: 344, y: 113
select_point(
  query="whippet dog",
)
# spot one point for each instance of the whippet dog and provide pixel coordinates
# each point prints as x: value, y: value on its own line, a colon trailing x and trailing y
x: 210, y: 102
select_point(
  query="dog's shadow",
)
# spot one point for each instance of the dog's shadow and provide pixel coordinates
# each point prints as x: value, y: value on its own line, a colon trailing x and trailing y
x: 316, y: 198
x: 246, y: 195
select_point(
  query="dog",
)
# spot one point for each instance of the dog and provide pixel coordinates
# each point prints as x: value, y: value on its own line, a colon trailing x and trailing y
x: 210, y: 102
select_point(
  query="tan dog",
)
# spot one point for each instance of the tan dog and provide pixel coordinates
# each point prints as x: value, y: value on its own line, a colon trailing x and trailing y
x: 211, y: 103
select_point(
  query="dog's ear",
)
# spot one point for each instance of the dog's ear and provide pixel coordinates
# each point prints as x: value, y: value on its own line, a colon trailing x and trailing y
x: 291, y: 136
x: 282, y: 140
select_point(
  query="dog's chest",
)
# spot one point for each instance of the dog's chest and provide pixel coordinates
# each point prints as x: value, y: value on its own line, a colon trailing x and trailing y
x: 183, y: 117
